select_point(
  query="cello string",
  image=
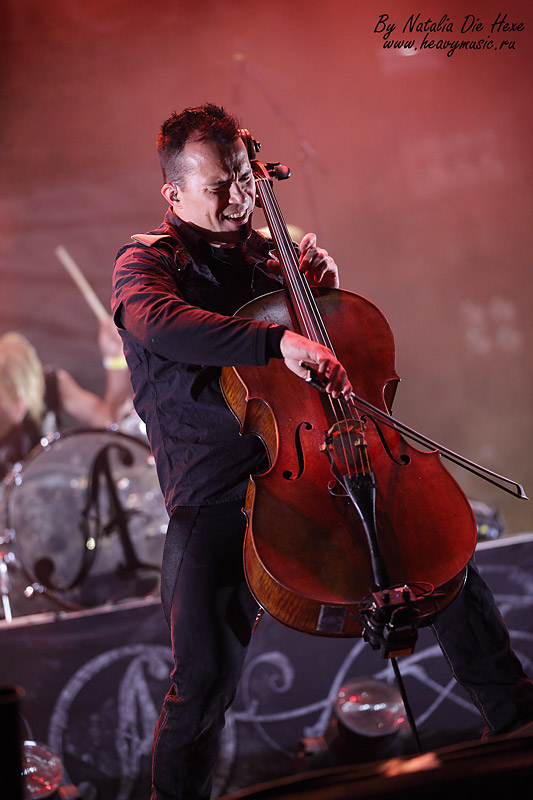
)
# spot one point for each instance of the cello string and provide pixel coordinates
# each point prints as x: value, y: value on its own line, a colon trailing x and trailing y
x: 316, y: 328
x: 286, y: 252
x: 310, y: 320
x: 301, y: 291
x: 318, y: 332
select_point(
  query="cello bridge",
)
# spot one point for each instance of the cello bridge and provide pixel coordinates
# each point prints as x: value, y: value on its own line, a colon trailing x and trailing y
x: 344, y: 444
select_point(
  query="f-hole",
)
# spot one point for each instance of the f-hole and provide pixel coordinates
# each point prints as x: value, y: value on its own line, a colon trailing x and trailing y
x: 288, y: 474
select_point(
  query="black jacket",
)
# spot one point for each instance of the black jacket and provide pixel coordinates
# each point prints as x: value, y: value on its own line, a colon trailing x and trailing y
x: 173, y: 297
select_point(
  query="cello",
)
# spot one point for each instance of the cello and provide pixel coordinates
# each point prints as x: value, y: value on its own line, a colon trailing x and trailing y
x: 352, y: 531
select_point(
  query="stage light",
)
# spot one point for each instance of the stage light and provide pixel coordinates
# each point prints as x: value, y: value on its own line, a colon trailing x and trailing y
x: 42, y: 770
x: 370, y: 708
x: 368, y: 717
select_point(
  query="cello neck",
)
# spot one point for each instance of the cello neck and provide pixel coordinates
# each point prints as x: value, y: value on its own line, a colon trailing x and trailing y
x: 302, y: 300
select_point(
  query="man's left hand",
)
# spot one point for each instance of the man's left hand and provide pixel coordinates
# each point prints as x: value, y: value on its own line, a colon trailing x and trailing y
x: 315, y: 262
x: 318, y: 267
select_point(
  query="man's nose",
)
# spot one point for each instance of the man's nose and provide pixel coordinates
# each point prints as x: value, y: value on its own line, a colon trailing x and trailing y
x: 236, y: 192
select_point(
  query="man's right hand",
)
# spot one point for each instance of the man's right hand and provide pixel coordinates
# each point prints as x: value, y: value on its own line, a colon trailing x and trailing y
x: 298, y: 351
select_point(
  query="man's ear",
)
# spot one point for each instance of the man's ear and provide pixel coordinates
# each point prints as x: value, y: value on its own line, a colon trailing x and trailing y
x: 168, y: 190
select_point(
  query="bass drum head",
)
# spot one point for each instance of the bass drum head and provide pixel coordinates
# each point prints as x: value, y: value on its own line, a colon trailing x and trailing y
x: 87, y: 520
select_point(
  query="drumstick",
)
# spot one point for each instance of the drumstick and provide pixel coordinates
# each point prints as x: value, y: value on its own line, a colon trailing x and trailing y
x: 82, y: 283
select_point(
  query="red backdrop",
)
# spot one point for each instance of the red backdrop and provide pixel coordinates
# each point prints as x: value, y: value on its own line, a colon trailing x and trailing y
x: 413, y: 166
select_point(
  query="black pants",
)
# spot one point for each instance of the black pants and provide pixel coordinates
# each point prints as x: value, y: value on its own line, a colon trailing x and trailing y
x: 211, y: 614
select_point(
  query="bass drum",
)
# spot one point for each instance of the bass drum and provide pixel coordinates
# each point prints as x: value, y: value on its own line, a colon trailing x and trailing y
x: 86, y: 522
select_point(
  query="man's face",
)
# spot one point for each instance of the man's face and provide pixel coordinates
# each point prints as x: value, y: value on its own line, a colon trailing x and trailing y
x: 218, y: 192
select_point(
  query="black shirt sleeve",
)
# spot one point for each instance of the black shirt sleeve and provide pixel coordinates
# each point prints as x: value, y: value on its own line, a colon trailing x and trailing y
x: 273, y: 341
x: 148, y: 305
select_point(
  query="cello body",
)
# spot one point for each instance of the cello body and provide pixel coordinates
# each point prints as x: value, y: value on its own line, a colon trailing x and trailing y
x: 306, y: 554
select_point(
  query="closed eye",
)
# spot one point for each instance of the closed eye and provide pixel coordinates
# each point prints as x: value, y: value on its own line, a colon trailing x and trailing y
x: 220, y: 187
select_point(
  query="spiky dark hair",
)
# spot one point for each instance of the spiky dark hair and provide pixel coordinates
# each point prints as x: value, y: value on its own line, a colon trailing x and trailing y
x: 205, y: 122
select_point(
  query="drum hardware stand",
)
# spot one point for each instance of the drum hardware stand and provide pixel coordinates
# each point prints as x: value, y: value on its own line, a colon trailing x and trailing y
x: 90, y: 516
x: 5, y: 558
x: 9, y: 561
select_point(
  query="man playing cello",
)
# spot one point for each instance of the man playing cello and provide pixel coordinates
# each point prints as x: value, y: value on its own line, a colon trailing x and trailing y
x: 175, y: 291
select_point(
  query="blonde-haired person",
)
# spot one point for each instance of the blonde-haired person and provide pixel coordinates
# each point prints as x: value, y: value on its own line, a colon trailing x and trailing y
x: 34, y: 399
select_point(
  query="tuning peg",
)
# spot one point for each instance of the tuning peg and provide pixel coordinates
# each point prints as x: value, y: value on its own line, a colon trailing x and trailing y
x: 278, y: 171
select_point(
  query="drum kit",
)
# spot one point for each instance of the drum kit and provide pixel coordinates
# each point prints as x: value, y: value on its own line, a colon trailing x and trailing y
x: 84, y: 520
x: 84, y: 524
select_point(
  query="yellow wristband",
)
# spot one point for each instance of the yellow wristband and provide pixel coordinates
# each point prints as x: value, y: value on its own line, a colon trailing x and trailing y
x: 115, y: 362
